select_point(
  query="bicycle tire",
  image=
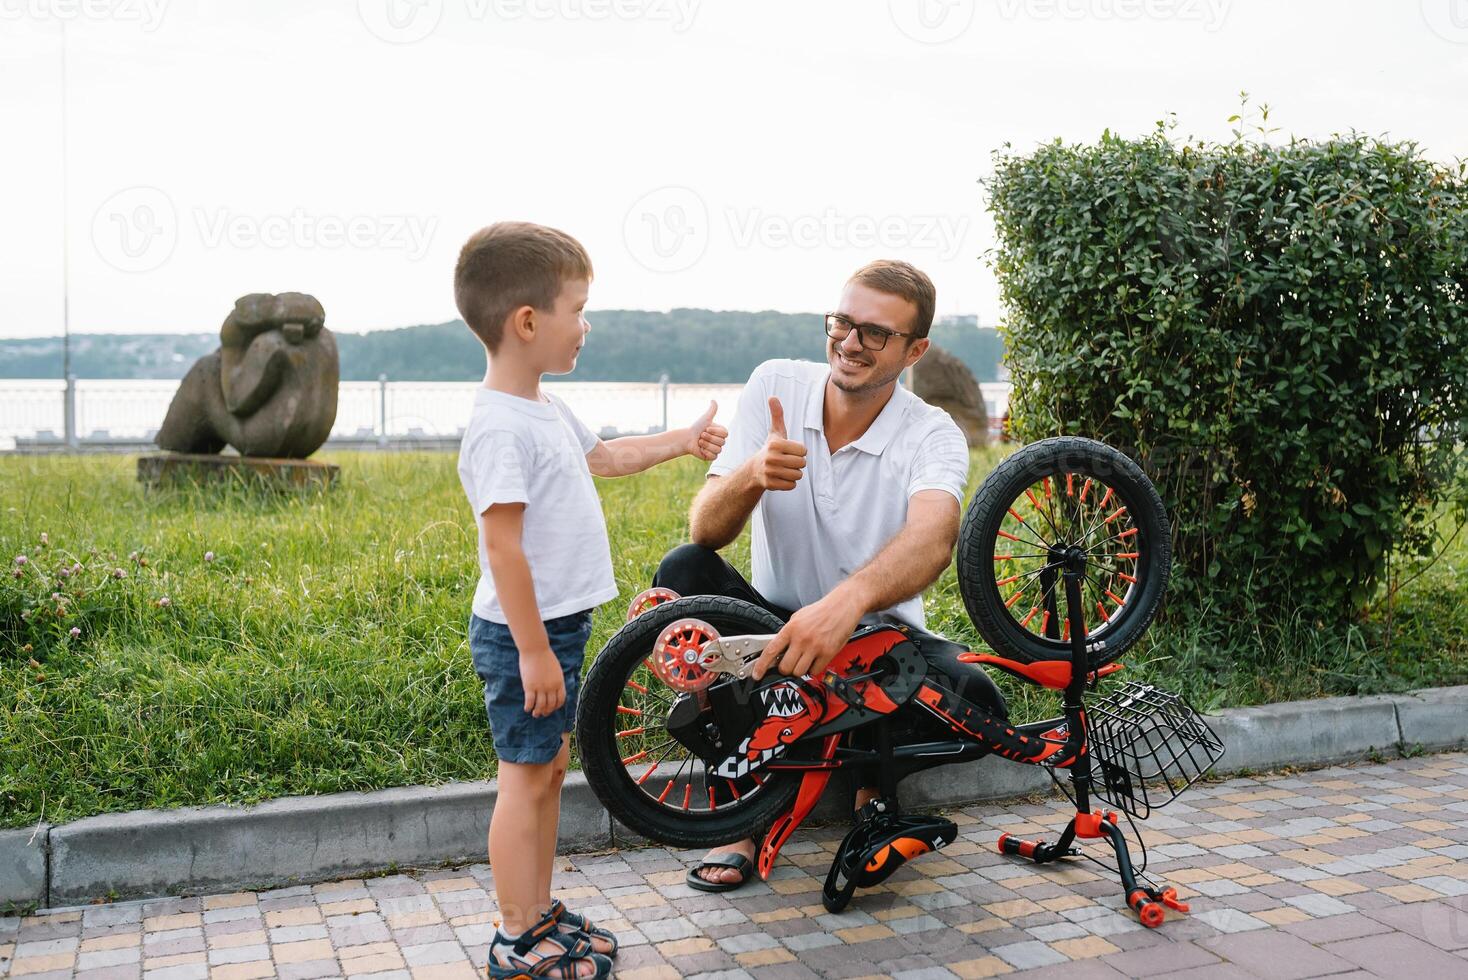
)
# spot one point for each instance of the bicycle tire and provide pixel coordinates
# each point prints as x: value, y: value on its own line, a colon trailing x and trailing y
x: 604, y: 689
x: 1053, y: 464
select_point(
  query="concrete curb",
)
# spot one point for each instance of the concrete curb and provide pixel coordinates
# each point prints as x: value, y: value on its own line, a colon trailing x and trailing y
x: 288, y: 841
x: 1306, y: 732
x: 1434, y: 719
x: 23, y: 872
x: 307, y: 839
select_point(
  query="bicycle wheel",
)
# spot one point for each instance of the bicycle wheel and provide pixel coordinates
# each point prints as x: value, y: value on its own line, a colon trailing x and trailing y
x: 645, y: 778
x: 1063, y: 503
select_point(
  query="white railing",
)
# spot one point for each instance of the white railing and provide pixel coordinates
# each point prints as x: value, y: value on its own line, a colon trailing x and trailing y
x: 110, y: 411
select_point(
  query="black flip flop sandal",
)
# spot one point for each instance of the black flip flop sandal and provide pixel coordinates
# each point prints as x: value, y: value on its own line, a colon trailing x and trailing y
x: 738, y: 862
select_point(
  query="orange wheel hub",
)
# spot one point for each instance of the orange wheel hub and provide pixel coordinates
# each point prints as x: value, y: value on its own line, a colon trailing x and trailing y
x: 647, y: 599
x: 675, y: 656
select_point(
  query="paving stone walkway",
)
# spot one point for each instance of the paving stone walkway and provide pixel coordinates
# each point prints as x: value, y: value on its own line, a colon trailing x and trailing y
x: 1355, y: 870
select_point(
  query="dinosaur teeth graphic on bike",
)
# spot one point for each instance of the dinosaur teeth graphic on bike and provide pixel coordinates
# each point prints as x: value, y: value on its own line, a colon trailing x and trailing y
x: 791, y: 710
x: 784, y: 701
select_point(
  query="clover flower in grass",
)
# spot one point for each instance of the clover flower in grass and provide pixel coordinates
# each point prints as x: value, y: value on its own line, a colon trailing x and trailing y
x: 21, y: 561
x: 75, y: 632
x: 119, y: 573
x: 164, y: 602
x: 208, y: 556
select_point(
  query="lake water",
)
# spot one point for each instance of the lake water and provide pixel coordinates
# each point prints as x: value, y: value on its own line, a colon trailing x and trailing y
x: 135, y: 409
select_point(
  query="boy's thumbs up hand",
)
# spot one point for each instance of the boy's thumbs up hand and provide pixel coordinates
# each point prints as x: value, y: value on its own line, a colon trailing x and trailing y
x: 780, y: 461
x: 705, y: 438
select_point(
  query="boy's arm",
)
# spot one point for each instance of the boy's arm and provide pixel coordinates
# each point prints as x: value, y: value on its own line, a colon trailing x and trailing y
x: 540, y: 671
x: 633, y: 454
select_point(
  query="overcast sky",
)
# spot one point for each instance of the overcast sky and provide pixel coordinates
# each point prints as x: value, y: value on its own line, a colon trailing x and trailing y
x: 733, y: 154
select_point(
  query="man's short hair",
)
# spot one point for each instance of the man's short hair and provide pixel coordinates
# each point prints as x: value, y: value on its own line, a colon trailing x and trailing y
x: 898, y: 278
x: 509, y: 265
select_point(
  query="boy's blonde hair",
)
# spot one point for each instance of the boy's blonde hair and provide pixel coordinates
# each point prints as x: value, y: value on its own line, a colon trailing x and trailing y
x: 509, y: 265
x: 898, y: 278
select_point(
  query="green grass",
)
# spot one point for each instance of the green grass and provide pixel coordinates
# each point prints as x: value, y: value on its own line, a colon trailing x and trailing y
x: 323, y: 648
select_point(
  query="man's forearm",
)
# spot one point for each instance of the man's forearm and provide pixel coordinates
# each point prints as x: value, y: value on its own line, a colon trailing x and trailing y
x: 909, y: 563
x: 723, y: 506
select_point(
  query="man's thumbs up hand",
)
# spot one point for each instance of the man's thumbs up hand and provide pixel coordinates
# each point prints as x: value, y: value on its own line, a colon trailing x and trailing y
x: 705, y: 438
x: 780, y: 461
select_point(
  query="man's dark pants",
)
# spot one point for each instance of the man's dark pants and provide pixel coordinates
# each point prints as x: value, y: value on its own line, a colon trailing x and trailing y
x: 692, y: 569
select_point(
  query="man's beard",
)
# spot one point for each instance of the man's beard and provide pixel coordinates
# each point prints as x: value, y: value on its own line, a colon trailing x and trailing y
x: 865, y: 386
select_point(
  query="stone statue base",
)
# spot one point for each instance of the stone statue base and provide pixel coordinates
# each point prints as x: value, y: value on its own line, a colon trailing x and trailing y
x: 162, y: 469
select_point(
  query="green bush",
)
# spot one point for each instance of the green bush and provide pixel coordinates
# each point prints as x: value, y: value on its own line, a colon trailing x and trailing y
x: 1279, y: 334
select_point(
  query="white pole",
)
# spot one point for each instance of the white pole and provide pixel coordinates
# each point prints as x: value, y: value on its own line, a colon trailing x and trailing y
x: 382, y: 411
x: 70, y: 407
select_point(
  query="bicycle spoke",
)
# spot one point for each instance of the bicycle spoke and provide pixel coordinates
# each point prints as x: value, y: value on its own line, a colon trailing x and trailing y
x: 672, y: 744
x: 1101, y: 508
x: 1015, y: 578
x: 1025, y: 527
x: 1128, y: 533
x: 1042, y: 512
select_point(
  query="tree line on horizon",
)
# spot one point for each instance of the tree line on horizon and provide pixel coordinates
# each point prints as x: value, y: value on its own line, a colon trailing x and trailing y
x: 688, y: 345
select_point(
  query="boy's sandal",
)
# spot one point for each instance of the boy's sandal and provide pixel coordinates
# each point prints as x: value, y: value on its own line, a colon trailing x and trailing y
x: 738, y: 862
x: 574, y: 922
x: 557, y: 966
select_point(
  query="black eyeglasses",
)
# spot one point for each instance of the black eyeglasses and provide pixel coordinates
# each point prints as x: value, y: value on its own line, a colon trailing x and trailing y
x: 872, y: 337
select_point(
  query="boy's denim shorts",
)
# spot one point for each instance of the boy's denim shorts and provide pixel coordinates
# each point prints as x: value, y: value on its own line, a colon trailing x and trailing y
x: 518, y: 735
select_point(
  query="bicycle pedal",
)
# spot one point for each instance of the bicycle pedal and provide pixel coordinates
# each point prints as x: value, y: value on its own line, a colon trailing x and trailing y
x: 1168, y: 897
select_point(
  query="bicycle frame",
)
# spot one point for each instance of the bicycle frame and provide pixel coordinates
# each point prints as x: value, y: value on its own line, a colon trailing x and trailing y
x: 1057, y: 743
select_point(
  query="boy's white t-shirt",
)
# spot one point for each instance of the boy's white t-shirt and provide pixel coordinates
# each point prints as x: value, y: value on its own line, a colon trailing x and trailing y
x: 847, y: 505
x: 520, y: 451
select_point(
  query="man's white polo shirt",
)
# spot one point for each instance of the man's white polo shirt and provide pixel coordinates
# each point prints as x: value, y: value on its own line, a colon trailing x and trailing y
x: 847, y: 505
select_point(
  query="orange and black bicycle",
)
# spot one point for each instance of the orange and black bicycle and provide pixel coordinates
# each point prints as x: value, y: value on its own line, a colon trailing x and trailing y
x: 1063, y: 559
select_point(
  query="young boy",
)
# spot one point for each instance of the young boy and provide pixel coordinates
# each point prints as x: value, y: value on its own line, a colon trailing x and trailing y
x: 526, y: 463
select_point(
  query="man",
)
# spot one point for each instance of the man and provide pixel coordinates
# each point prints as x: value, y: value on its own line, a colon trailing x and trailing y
x: 853, y: 482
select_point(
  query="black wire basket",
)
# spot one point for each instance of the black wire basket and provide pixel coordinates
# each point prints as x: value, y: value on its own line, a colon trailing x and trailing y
x: 1146, y: 747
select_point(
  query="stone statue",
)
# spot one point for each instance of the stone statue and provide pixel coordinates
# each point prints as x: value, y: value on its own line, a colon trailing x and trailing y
x: 941, y: 379
x: 270, y: 389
